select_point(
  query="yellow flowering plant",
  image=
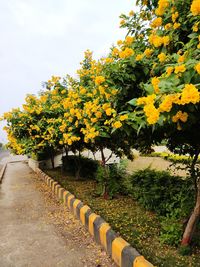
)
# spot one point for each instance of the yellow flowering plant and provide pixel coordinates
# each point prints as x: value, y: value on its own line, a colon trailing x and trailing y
x: 170, y: 103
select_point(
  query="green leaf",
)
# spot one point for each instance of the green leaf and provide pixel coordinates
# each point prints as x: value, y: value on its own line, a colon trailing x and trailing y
x: 133, y: 102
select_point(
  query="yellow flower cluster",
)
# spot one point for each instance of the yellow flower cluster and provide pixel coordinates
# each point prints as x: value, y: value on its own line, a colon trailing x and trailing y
x: 146, y: 100
x: 151, y: 113
x: 162, y: 5
x: 195, y: 7
x: 190, y: 94
x: 99, y: 80
x: 128, y: 52
x: 157, y: 41
x: 166, y: 104
x: 69, y: 138
x: 156, y: 22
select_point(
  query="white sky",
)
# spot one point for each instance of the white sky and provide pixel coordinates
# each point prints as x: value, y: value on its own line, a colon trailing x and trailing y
x: 40, y: 38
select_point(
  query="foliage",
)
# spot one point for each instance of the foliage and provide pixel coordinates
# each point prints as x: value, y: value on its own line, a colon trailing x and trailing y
x: 171, y: 231
x: 88, y: 167
x: 163, y: 193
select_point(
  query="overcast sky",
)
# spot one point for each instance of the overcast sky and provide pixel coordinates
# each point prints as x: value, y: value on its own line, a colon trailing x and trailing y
x: 40, y: 38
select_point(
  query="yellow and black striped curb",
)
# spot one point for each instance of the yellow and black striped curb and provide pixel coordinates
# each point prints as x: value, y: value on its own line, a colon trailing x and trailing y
x: 2, y: 171
x: 120, y: 251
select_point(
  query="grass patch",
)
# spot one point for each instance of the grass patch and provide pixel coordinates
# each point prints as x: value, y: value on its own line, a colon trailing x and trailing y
x: 139, y: 227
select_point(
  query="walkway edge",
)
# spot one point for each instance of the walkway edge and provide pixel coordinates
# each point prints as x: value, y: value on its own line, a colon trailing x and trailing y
x: 120, y: 251
x: 2, y: 172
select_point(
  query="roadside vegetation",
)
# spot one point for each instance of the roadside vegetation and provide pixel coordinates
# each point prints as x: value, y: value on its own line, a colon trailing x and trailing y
x: 144, y: 92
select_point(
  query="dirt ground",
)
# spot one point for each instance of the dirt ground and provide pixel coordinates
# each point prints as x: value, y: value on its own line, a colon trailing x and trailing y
x: 36, y: 230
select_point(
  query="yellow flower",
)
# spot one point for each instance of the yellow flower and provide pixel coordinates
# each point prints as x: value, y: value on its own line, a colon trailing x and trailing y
x: 180, y: 68
x: 119, y: 42
x: 182, y: 116
x: 197, y: 67
x: 195, y: 8
x: 165, y: 40
x: 168, y: 26
x: 176, y: 25
x: 162, y: 57
x: 108, y: 111
x: 82, y: 90
x: 129, y: 40
x: 169, y: 71
x: 146, y: 100
x: 181, y: 59
x: 156, y: 22
x: 131, y: 13
x: 155, y: 82
x: 99, y: 80
x: 93, y: 120
x: 123, y: 117
x: 105, y: 106
x: 122, y: 22
x: 98, y: 114
x: 195, y: 27
x: 117, y: 124
x: 108, y: 60
x: 148, y: 52
x: 115, y: 51
x: 166, y: 104
x: 139, y: 57
x: 175, y: 16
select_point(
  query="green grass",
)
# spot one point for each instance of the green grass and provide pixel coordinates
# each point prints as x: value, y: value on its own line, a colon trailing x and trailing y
x: 139, y: 227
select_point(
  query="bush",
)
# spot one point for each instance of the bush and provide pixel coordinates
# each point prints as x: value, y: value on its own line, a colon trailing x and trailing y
x: 169, y: 196
x: 112, y: 177
x: 87, y: 167
x: 161, y: 192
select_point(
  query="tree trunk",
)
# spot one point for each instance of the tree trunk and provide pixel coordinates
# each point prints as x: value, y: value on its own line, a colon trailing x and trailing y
x: 105, y: 192
x: 78, y: 167
x: 195, y: 216
x: 52, y: 156
x: 192, y: 223
x: 52, y: 160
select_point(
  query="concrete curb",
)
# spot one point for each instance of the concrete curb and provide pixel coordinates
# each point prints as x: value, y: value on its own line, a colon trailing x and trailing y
x: 120, y: 251
x: 2, y: 172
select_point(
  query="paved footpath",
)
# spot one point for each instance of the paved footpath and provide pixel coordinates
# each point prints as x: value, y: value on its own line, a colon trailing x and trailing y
x: 36, y: 230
